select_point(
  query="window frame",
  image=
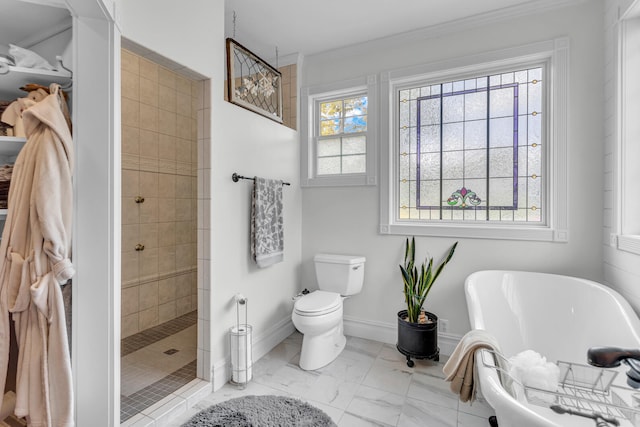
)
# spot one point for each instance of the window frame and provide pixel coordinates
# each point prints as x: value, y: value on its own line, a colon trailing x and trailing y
x: 626, y: 235
x: 555, y: 54
x: 309, y: 132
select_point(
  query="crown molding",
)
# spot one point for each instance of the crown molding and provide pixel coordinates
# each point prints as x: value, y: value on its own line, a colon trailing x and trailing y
x: 454, y: 26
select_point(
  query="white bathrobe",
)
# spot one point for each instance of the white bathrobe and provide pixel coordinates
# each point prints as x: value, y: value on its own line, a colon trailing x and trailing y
x: 34, y: 262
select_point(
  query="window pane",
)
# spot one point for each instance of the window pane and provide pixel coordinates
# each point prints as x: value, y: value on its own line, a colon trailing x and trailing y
x: 475, y: 134
x: 430, y: 139
x: 355, y: 106
x: 452, y: 164
x: 475, y: 105
x: 328, y: 165
x: 501, y: 192
x: 430, y: 111
x: 354, y: 145
x: 501, y: 162
x: 452, y: 136
x: 501, y: 132
x: 330, y: 110
x: 354, y: 164
x: 355, y: 124
x: 501, y: 102
x: 328, y: 147
x: 330, y: 127
x: 453, y: 109
x: 475, y: 164
x: 430, y: 166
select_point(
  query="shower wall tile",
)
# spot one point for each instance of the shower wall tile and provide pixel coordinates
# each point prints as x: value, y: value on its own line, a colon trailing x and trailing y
x: 149, y: 91
x: 148, y: 318
x: 166, y: 77
x: 148, y: 117
x: 130, y: 112
x: 167, y: 260
x: 129, y: 325
x: 129, y: 268
x: 148, y: 69
x: 167, y: 98
x: 167, y: 311
x: 130, y: 85
x: 161, y: 111
x: 130, y: 61
x: 130, y: 301
x: 183, y: 85
x: 130, y: 140
x: 166, y: 148
x: 149, y: 235
x: 148, y: 144
x: 167, y: 290
x: 130, y: 236
x: 148, y: 211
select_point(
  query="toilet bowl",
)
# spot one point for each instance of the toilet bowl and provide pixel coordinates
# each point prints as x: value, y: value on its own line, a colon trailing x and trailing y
x: 318, y: 315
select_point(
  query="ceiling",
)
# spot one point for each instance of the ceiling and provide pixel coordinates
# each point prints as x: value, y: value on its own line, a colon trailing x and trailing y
x: 308, y: 27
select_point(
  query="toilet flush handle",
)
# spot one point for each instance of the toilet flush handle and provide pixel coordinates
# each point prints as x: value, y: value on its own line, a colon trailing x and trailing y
x: 355, y: 267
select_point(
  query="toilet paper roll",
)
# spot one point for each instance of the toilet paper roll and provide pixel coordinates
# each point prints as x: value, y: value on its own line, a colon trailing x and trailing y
x: 241, y: 362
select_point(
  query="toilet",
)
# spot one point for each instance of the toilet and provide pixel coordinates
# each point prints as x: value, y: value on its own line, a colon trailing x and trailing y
x: 318, y: 314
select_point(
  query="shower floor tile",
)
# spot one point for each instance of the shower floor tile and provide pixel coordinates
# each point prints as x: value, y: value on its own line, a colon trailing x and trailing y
x: 156, y: 363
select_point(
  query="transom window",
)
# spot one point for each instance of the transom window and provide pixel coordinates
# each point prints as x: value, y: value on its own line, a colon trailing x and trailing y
x: 473, y: 149
x: 342, y: 140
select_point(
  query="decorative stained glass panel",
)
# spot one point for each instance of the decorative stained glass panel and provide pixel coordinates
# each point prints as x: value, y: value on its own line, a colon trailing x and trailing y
x: 472, y: 150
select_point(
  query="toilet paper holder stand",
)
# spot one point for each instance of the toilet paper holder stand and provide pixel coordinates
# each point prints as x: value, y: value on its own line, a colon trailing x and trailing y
x: 241, y: 345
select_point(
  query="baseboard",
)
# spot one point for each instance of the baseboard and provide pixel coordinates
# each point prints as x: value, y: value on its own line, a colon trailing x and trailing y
x: 388, y: 333
x: 261, y: 344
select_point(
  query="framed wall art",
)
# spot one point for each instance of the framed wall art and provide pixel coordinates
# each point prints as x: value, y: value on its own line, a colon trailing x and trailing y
x: 252, y: 83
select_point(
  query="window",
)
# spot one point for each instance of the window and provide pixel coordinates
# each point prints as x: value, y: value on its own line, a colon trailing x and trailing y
x: 340, y: 144
x: 342, y: 141
x: 473, y: 150
x: 627, y: 229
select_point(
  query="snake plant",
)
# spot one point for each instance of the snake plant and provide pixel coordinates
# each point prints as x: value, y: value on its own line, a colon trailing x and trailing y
x: 418, y: 284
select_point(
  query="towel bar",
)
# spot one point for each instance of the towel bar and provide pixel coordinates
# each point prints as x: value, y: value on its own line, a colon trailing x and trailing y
x: 235, y: 177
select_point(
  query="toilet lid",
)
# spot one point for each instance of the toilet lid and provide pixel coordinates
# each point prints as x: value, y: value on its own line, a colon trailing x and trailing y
x: 318, y: 302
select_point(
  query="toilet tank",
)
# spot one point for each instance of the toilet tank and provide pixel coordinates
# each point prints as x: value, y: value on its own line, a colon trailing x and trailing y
x: 343, y: 274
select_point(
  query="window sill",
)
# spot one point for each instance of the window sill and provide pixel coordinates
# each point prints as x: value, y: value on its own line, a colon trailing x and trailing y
x: 629, y: 243
x: 340, y: 180
x: 543, y: 234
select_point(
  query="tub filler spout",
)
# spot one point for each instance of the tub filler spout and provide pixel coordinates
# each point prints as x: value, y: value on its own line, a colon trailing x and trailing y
x: 610, y: 357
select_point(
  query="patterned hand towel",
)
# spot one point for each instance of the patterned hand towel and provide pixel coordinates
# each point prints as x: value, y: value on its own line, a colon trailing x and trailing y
x: 267, y: 230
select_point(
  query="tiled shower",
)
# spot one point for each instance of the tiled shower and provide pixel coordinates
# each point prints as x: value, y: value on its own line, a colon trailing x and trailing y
x: 159, y: 231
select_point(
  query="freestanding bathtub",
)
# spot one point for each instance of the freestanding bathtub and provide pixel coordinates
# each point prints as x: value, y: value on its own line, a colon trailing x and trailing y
x: 559, y: 317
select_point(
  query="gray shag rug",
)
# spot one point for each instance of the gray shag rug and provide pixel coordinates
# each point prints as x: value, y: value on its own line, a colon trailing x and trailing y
x: 261, y: 411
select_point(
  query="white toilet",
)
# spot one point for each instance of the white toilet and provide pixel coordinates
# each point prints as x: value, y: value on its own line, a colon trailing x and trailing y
x: 318, y: 315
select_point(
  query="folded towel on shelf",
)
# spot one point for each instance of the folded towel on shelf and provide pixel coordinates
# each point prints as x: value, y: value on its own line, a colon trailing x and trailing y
x: 267, y: 229
x: 460, y: 369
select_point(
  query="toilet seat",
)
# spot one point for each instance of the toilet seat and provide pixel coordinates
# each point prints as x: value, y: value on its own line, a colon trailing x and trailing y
x: 318, y: 303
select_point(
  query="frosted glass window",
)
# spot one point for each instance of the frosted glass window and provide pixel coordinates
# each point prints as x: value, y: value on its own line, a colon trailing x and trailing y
x: 472, y: 150
x: 341, y: 144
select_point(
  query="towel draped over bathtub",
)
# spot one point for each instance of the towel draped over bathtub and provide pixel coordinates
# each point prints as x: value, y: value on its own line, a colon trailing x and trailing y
x: 460, y: 369
x: 267, y: 228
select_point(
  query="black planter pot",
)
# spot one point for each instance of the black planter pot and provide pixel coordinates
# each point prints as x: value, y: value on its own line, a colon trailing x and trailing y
x: 418, y: 340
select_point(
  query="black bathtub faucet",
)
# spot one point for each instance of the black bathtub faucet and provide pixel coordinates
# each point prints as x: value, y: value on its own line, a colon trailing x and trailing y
x: 610, y: 357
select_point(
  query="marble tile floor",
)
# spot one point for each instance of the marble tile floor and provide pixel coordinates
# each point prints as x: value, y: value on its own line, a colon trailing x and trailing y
x: 369, y: 384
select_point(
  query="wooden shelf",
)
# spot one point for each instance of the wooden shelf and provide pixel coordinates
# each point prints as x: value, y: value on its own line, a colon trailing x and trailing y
x: 19, y: 76
x: 11, y: 145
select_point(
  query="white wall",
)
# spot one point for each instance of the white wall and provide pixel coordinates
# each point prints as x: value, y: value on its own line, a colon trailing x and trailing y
x: 621, y: 269
x: 345, y: 220
x: 242, y: 142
